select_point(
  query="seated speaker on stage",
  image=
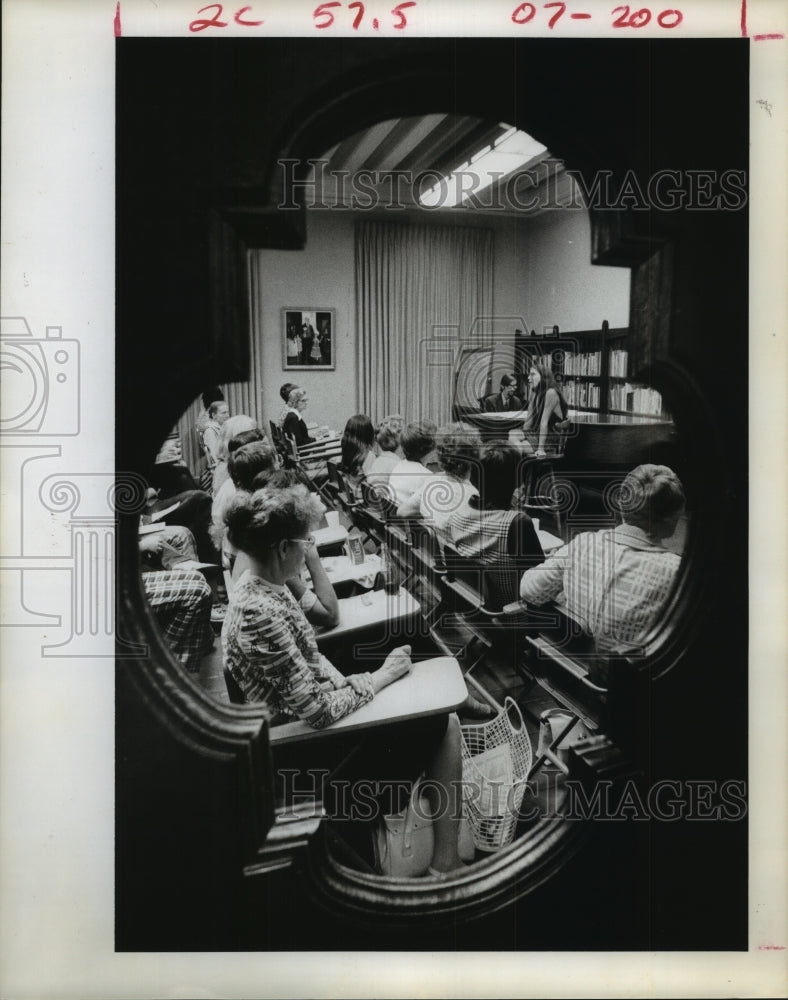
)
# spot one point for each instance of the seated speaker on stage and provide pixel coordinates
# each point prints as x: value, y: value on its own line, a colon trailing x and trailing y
x: 505, y: 400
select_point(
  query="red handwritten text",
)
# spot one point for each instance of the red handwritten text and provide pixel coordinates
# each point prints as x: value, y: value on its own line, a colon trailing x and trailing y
x: 201, y: 23
x: 324, y: 18
x: 621, y: 16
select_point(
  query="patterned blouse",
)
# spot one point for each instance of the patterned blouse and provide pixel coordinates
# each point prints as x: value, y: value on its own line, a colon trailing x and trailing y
x: 269, y: 647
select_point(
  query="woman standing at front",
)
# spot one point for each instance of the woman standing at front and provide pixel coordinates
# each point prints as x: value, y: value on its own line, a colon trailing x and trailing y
x: 270, y: 650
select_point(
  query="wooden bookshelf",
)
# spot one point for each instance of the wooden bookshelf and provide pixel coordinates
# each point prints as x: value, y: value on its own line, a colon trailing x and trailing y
x: 593, y: 369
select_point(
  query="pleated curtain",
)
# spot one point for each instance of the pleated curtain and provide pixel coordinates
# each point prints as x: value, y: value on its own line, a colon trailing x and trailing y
x: 420, y: 291
x: 242, y: 397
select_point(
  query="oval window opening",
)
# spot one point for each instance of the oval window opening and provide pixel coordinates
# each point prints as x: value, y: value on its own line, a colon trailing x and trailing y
x: 508, y: 499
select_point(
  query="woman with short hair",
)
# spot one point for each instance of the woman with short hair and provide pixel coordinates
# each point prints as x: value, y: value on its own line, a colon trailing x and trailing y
x: 388, y: 458
x: 417, y: 442
x: 270, y: 650
x: 294, y: 424
x: 449, y: 491
x: 231, y: 427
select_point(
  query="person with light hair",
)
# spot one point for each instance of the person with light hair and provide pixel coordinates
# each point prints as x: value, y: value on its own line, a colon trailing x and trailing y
x: 389, y: 455
x: 218, y: 413
x: 447, y: 492
x: 231, y: 427
x: 417, y: 442
x: 615, y: 582
x: 293, y: 423
x: 270, y: 651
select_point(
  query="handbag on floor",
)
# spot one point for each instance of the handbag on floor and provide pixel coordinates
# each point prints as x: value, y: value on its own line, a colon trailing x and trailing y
x: 404, y: 841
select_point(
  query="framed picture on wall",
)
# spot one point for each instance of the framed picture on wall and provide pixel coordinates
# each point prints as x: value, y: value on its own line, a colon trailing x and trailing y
x: 308, y: 339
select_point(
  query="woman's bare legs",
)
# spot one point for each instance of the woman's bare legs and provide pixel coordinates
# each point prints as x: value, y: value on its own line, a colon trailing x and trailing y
x: 443, y: 788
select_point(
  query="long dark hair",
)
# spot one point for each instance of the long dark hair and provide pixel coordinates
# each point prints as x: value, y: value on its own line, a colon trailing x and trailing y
x: 546, y: 381
x: 496, y: 476
x: 358, y: 439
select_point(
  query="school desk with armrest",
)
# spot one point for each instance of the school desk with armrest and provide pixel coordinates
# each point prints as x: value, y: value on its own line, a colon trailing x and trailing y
x: 433, y: 687
x: 370, y: 625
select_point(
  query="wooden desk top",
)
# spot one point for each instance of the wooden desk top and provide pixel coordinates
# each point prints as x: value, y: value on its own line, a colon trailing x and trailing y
x: 432, y: 688
x: 324, y: 537
x: 549, y: 542
x: 340, y: 569
x: 363, y: 610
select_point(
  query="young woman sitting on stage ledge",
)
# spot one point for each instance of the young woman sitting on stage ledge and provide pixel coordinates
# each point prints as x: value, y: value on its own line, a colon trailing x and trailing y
x: 270, y: 649
x: 546, y: 416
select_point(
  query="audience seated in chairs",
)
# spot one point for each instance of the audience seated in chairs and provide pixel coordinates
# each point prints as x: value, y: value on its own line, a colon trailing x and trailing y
x: 270, y: 651
x: 170, y: 475
x: 294, y: 424
x: 218, y: 414
x: 358, y: 455
x: 417, y: 443
x: 180, y: 598
x: 319, y: 603
x: 449, y: 491
x: 615, y: 582
x: 284, y: 392
x: 212, y: 394
x: 227, y: 489
x: 488, y: 531
x: 394, y: 422
x: 231, y: 427
x: 191, y: 507
x: 389, y: 455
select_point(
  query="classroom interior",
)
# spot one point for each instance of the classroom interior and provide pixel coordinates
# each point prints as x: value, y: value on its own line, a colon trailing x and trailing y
x: 501, y: 289
x: 542, y: 300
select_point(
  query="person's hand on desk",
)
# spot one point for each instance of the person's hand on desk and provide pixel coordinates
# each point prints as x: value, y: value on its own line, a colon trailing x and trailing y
x: 361, y: 683
x: 541, y: 454
x: 397, y: 664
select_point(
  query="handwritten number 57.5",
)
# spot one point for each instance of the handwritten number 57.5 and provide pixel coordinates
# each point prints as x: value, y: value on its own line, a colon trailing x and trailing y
x: 324, y: 17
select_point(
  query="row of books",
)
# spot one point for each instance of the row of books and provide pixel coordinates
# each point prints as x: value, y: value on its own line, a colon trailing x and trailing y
x: 582, y: 363
x: 581, y: 393
x: 635, y: 399
x: 619, y: 362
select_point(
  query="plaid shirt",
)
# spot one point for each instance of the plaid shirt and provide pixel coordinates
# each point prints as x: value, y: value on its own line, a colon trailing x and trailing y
x: 270, y: 649
x: 614, y: 582
x: 483, y: 535
x: 181, y: 602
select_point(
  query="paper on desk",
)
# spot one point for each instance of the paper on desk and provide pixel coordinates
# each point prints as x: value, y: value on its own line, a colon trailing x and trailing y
x: 160, y: 514
x: 149, y: 529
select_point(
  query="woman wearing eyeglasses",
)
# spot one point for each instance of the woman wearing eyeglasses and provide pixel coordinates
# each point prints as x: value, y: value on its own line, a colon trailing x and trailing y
x: 270, y: 649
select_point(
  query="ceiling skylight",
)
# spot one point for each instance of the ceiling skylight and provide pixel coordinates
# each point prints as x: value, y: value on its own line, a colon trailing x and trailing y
x: 510, y: 152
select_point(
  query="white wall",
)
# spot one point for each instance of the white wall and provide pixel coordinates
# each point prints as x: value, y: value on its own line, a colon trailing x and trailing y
x: 543, y: 276
x: 560, y: 285
x: 320, y: 275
